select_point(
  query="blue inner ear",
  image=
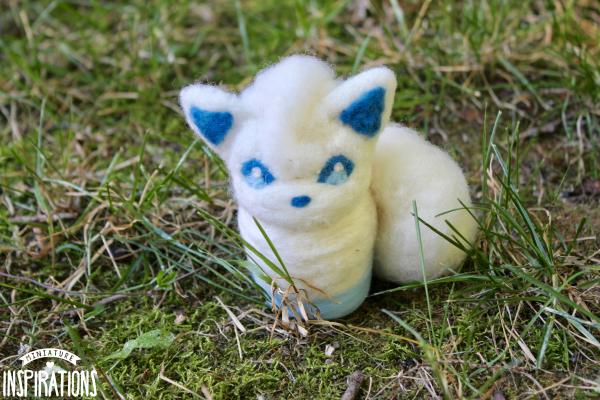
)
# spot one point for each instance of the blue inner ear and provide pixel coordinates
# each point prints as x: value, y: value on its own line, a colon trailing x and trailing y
x: 364, y: 114
x: 213, y: 125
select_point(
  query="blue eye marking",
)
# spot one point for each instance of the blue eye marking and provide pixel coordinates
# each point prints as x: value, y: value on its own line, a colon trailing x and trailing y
x: 364, y: 114
x: 336, y: 170
x: 213, y: 125
x: 257, y: 175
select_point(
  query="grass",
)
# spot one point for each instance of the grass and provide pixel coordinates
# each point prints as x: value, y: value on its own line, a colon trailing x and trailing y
x: 115, y: 222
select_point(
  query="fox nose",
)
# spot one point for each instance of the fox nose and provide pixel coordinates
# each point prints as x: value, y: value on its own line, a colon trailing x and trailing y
x: 300, y: 201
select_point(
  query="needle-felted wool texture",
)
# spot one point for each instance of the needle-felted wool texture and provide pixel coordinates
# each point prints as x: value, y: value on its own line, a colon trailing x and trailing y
x: 314, y: 160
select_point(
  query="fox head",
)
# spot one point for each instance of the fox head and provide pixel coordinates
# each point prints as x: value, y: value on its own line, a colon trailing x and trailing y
x: 298, y: 142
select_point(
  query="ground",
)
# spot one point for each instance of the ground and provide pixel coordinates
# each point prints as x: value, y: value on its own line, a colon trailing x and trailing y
x: 116, y: 222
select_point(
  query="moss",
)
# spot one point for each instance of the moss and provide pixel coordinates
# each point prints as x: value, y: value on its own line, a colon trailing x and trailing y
x: 91, y: 132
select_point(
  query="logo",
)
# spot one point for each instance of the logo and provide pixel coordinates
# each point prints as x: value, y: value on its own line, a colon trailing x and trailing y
x: 51, y: 380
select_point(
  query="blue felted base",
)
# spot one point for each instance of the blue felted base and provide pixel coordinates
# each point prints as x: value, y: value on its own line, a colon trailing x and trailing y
x: 337, y: 306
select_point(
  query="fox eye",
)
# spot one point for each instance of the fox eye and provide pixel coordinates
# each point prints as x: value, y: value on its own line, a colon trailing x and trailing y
x: 336, y: 170
x: 256, y: 174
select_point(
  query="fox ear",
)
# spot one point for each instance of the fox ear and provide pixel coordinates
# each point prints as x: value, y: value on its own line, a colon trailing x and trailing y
x: 364, y: 101
x: 211, y: 113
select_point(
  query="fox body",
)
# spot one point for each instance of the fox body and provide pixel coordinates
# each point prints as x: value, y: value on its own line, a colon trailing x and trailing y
x: 316, y: 162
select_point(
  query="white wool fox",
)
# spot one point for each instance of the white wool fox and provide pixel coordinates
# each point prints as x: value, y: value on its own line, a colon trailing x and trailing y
x: 315, y: 161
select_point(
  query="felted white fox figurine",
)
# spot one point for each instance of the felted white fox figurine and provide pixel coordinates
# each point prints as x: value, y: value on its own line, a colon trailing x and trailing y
x: 315, y: 161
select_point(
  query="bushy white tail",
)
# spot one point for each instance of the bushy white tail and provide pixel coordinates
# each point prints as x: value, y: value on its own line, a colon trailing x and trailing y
x: 407, y: 168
